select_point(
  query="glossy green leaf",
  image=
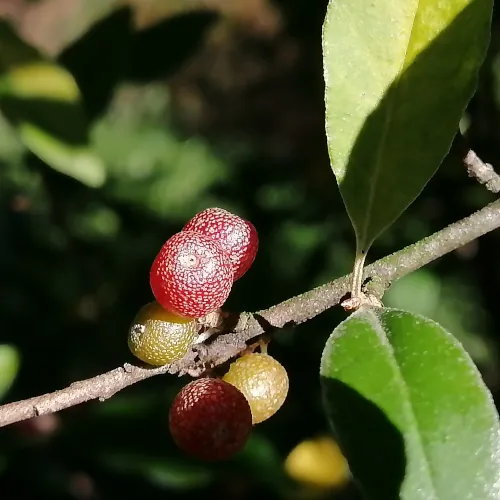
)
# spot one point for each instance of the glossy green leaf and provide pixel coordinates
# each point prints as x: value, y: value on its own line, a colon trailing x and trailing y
x: 398, y: 77
x: 410, y: 409
x: 9, y: 366
x: 43, y: 102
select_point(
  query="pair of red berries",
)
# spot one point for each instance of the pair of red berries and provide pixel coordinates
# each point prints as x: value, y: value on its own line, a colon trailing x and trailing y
x: 194, y: 272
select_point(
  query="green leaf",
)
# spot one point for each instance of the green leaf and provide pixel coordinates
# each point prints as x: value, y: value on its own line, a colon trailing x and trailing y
x: 9, y: 366
x: 43, y: 102
x: 97, y: 77
x: 410, y: 409
x: 398, y: 77
x: 175, y: 475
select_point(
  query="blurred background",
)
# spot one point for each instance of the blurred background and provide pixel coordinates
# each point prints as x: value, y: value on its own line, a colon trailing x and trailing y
x: 182, y: 105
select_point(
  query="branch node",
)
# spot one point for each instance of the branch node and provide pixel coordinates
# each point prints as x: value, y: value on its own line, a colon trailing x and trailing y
x: 362, y: 300
x: 204, y: 336
x: 128, y: 368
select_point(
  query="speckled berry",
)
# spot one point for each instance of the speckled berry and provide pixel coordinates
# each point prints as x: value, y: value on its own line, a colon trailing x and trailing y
x: 237, y: 236
x: 158, y: 336
x: 191, y: 276
x: 262, y: 380
x: 210, y: 419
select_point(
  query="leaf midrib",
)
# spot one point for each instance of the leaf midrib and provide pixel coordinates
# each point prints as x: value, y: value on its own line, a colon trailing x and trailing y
x: 383, y: 139
x: 379, y: 326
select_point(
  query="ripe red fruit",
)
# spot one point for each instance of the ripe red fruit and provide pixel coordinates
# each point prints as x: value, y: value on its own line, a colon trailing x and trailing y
x: 237, y: 236
x: 191, y: 276
x: 210, y: 419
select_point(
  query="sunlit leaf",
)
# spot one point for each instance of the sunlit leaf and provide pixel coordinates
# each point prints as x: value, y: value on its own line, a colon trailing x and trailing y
x: 42, y: 101
x: 77, y: 162
x: 409, y: 407
x: 9, y: 366
x: 398, y: 76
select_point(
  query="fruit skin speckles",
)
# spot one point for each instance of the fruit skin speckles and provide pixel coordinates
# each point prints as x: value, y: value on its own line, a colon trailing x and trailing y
x: 237, y: 236
x: 262, y: 380
x: 210, y: 419
x: 159, y: 337
x: 191, y: 276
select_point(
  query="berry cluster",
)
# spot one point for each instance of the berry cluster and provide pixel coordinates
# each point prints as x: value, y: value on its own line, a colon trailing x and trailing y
x: 191, y: 277
x: 196, y: 268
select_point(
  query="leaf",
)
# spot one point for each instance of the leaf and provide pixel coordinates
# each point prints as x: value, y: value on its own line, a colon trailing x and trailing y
x: 160, y: 50
x: 168, y: 474
x: 43, y: 102
x: 398, y: 76
x: 9, y: 366
x: 98, y: 76
x: 410, y: 409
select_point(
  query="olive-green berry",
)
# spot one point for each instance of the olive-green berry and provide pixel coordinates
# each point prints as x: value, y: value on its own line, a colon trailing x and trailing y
x: 159, y: 337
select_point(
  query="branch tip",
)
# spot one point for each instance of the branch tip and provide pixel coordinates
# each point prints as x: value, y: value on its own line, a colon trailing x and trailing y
x: 483, y: 172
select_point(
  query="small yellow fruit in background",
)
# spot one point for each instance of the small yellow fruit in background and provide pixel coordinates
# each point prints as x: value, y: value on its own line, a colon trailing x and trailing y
x: 262, y: 380
x: 318, y: 463
x: 158, y: 337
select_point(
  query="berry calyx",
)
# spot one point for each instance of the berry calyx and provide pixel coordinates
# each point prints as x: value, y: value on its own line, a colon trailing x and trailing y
x: 159, y: 337
x: 262, y: 380
x: 210, y: 419
x: 237, y: 236
x: 191, y: 276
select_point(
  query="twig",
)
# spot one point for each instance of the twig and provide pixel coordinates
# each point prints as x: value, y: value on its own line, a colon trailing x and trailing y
x: 240, y: 329
x: 100, y: 387
x: 484, y: 173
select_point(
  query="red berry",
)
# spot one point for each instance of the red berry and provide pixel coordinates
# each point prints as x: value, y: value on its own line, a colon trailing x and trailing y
x: 191, y: 276
x: 210, y: 419
x: 237, y: 236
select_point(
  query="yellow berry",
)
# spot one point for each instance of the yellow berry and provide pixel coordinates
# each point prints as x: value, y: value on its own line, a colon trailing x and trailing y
x: 262, y: 380
x: 318, y: 463
x: 159, y: 337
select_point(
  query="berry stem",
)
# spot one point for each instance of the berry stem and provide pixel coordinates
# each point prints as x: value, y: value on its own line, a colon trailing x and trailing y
x: 263, y: 346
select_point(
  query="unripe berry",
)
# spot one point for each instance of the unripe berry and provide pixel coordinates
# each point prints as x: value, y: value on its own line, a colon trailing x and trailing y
x: 262, y: 380
x: 191, y: 276
x: 158, y: 336
x: 319, y: 463
x: 237, y: 236
x: 210, y: 419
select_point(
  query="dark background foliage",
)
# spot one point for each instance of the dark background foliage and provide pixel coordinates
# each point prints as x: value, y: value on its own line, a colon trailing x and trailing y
x: 189, y: 110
